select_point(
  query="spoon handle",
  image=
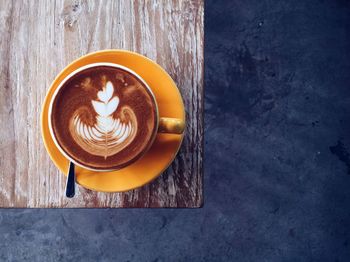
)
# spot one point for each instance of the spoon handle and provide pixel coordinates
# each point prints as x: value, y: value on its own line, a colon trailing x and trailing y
x: 70, y: 186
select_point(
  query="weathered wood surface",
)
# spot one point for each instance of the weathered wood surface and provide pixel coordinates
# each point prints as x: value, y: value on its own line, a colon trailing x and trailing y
x: 38, y: 38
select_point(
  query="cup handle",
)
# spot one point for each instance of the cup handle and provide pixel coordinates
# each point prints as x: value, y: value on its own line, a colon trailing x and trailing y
x: 171, y: 125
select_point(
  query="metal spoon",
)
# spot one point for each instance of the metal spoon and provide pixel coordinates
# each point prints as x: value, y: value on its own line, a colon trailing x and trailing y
x: 70, y: 185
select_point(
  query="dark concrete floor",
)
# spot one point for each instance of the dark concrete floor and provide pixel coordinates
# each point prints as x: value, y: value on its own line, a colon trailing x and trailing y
x: 277, y: 161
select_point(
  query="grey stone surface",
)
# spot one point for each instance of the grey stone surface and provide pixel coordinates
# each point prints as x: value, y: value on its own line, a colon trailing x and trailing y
x: 277, y: 161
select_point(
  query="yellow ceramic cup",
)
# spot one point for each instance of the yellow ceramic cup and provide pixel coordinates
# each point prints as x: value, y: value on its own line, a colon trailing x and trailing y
x: 163, y: 124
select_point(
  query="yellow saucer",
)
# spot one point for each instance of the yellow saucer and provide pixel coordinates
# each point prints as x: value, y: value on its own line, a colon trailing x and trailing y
x: 165, y: 147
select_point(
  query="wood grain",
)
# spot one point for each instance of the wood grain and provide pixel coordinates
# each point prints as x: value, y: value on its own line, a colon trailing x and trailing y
x: 38, y: 38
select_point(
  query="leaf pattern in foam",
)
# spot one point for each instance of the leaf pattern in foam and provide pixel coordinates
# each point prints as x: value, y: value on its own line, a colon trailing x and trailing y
x: 108, y: 136
x: 106, y: 92
x: 106, y: 109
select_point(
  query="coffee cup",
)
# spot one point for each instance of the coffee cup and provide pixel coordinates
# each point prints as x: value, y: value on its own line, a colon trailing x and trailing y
x: 104, y: 117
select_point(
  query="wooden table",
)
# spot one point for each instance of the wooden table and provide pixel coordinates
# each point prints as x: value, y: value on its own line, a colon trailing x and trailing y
x: 38, y: 38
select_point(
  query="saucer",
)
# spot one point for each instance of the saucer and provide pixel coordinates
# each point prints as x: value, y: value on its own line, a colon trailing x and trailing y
x: 165, y: 147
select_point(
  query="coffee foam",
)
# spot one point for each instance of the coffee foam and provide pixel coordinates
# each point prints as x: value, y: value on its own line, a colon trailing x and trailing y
x: 103, y: 117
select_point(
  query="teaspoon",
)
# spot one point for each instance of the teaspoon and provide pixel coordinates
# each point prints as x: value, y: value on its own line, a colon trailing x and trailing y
x: 70, y: 185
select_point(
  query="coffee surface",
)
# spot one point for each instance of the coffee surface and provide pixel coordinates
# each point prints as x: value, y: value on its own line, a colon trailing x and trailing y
x: 104, y: 117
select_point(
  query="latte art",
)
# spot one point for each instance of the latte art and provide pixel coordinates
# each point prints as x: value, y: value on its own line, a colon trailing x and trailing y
x: 104, y: 117
x: 109, y: 135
